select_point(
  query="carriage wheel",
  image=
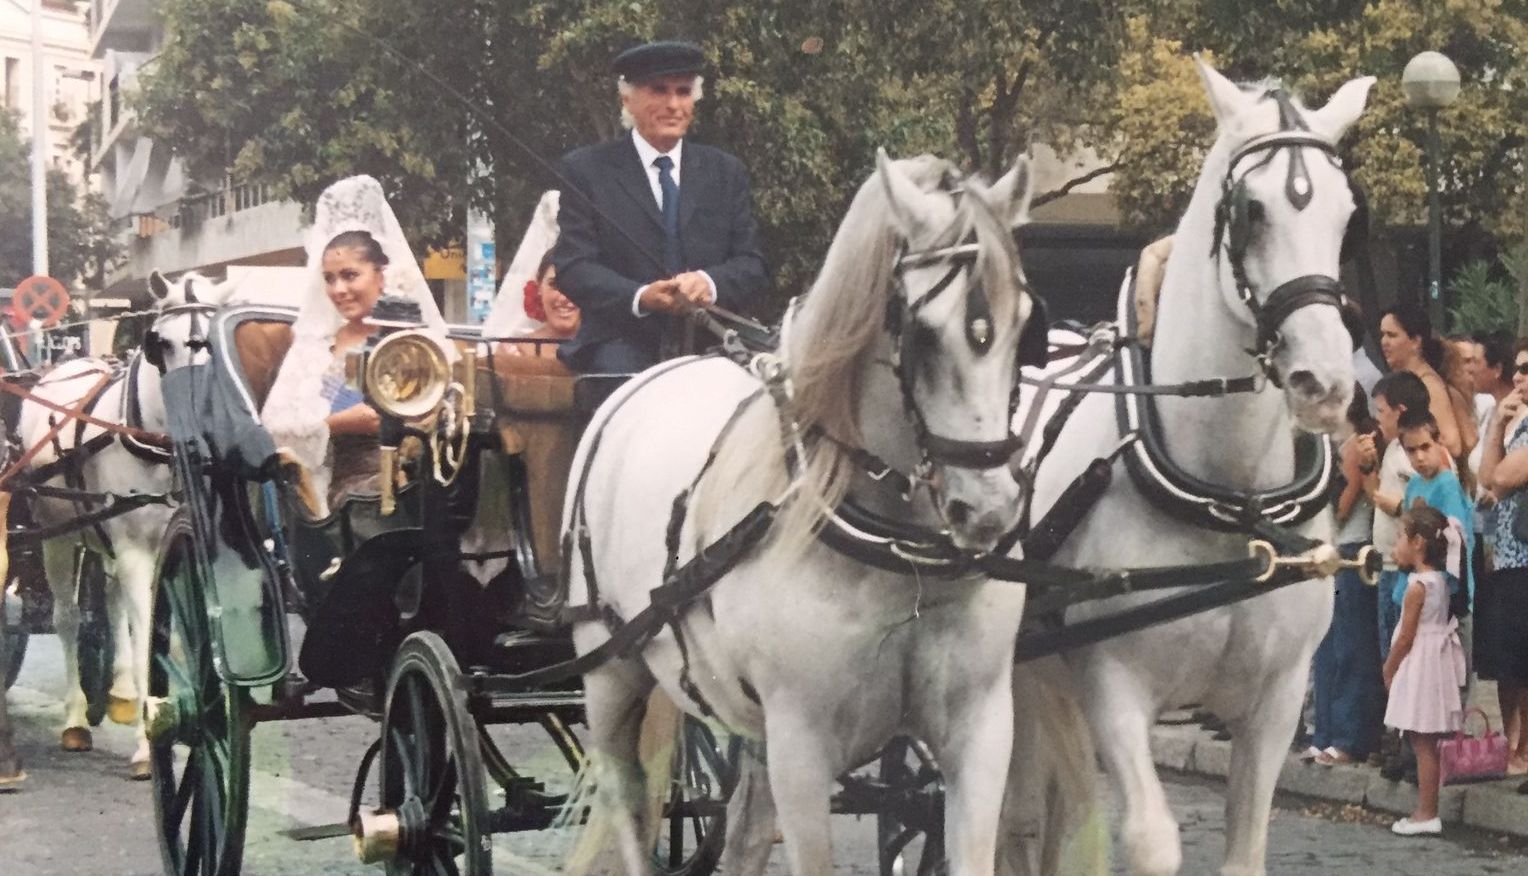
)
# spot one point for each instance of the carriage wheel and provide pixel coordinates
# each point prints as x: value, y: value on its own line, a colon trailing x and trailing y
x: 705, y: 775
x: 432, y: 768
x: 197, y: 726
x: 910, y: 831
x: 96, y: 647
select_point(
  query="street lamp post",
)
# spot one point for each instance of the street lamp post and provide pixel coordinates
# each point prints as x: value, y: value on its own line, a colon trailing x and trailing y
x: 1431, y: 82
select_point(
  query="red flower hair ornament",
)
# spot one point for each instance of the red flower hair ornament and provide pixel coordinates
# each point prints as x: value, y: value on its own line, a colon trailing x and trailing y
x: 533, y: 308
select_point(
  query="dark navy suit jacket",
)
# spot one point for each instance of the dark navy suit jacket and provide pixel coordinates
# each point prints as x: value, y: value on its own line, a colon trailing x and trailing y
x: 601, y: 269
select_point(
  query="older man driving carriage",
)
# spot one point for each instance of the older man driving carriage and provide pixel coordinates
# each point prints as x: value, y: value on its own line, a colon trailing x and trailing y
x: 652, y: 224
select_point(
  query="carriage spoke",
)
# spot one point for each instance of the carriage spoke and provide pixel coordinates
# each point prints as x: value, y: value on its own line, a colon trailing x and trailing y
x: 188, y: 782
x: 423, y: 743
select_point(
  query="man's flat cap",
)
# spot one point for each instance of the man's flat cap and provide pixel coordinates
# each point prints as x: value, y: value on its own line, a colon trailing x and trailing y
x: 651, y: 60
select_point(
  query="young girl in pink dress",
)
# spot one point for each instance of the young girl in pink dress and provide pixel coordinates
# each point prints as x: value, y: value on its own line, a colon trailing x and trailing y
x: 1426, y: 665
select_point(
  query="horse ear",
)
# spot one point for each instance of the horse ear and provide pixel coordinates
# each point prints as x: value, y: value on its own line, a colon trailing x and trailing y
x: 158, y: 285
x: 901, y: 193
x: 1227, y: 101
x: 1343, y: 109
x: 1010, y: 195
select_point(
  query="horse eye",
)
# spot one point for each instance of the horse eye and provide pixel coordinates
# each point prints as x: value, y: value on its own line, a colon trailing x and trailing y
x: 1256, y: 212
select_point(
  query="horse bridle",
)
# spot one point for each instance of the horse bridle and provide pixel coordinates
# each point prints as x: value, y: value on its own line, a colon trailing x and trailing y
x: 1233, y: 219
x: 154, y: 343
x: 902, y: 311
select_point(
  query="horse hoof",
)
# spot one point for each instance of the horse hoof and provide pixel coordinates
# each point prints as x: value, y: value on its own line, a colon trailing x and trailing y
x: 140, y: 770
x: 13, y: 782
x: 122, y: 711
x: 76, y: 739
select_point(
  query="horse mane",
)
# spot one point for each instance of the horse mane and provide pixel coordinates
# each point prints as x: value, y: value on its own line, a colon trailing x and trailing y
x: 829, y: 345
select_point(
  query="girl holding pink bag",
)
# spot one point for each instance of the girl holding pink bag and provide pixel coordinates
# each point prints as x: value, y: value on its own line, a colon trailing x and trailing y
x: 1425, y: 669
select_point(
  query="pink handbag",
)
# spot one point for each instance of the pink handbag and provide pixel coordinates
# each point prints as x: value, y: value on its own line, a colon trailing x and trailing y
x: 1472, y: 758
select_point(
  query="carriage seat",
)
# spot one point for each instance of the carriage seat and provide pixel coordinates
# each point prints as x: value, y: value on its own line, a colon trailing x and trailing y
x: 261, y: 347
x: 1148, y: 287
x: 542, y: 424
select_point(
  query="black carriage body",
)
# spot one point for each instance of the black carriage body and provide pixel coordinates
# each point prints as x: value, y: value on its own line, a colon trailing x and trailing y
x: 364, y: 580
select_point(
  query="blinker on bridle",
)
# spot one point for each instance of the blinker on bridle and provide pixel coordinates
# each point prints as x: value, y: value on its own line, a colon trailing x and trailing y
x: 980, y: 333
x: 1233, y: 231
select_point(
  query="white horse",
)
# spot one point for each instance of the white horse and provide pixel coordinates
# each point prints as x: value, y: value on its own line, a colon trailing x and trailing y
x: 133, y: 537
x: 1287, y: 205
x: 822, y: 655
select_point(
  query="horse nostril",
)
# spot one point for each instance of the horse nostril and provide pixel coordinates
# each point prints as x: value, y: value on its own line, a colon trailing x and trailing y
x: 1305, y: 383
x: 958, y: 513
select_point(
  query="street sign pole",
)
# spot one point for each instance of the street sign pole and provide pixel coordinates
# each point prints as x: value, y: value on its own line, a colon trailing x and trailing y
x: 39, y: 147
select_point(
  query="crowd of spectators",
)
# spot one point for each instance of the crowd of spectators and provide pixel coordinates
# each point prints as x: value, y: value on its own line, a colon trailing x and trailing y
x: 1446, y: 428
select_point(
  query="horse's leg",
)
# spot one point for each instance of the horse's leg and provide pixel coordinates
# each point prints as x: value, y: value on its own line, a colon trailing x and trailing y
x: 134, y: 587
x: 10, y: 765
x: 1121, y: 729
x: 801, y: 780
x: 58, y: 561
x: 971, y: 751
x: 123, y: 696
x: 1260, y: 745
x: 615, y: 697
x: 750, y: 819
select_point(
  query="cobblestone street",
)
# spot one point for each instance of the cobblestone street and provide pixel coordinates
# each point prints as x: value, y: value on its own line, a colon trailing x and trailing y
x: 80, y: 815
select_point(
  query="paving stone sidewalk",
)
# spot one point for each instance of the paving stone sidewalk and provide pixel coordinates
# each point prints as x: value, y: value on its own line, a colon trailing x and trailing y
x: 1489, y: 806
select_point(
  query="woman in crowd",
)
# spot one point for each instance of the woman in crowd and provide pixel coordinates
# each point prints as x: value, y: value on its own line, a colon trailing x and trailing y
x: 1348, y: 695
x: 356, y: 254
x: 1502, y: 604
x: 1406, y: 339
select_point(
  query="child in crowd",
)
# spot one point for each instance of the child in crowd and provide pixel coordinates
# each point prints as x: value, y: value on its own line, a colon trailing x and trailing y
x: 1437, y: 486
x: 1425, y: 668
x: 1386, y: 471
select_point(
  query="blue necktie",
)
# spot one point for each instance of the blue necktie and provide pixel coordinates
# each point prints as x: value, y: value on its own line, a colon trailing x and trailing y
x: 673, y: 261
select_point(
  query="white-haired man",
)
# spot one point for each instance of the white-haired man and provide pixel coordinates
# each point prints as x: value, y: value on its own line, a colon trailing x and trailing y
x: 651, y: 222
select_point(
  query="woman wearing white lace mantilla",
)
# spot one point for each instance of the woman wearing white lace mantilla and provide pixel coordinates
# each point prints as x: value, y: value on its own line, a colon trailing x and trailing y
x: 356, y: 254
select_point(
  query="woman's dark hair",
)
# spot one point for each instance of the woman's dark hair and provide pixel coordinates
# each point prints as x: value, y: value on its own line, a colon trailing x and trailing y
x: 1358, y: 412
x: 363, y: 241
x: 1415, y: 322
x: 543, y: 266
x: 1430, y: 524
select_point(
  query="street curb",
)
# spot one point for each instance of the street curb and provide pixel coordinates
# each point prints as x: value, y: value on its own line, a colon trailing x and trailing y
x: 1488, y: 806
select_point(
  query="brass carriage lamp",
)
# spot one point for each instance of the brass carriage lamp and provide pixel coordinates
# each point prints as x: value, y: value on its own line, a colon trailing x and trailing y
x: 1431, y: 82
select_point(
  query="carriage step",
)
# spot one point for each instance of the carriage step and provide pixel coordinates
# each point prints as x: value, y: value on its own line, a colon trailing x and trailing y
x: 518, y: 640
x: 317, y: 832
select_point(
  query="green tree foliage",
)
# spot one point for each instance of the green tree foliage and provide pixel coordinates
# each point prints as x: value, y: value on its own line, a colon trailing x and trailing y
x: 80, y: 243
x: 1316, y: 45
x: 1484, y: 300
x: 297, y: 93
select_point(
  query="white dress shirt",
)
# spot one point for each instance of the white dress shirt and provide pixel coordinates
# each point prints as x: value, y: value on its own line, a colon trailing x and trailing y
x: 647, y: 153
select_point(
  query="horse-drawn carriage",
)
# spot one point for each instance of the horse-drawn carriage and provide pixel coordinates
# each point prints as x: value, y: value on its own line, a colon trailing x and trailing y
x: 430, y: 604
x: 905, y: 387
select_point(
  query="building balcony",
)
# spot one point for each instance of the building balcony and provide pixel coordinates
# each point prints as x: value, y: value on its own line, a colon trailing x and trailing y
x: 240, y: 224
x: 123, y: 25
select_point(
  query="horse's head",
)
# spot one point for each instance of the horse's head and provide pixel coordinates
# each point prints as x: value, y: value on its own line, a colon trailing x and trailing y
x: 185, y: 307
x: 1285, y: 208
x: 960, y: 322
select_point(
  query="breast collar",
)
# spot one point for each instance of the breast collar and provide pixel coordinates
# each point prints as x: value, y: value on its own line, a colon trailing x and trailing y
x: 1187, y: 497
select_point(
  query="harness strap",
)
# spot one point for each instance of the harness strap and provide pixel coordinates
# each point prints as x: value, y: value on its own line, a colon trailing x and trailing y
x: 156, y: 439
x: 1045, y: 642
x: 687, y: 584
x: 69, y: 412
x: 117, y: 506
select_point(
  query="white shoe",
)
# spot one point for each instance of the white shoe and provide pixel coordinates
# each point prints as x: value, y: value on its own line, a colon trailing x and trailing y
x: 1407, y: 827
x: 1310, y: 753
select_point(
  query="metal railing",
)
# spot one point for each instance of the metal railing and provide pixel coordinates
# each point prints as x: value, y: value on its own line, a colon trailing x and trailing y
x: 193, y: 211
